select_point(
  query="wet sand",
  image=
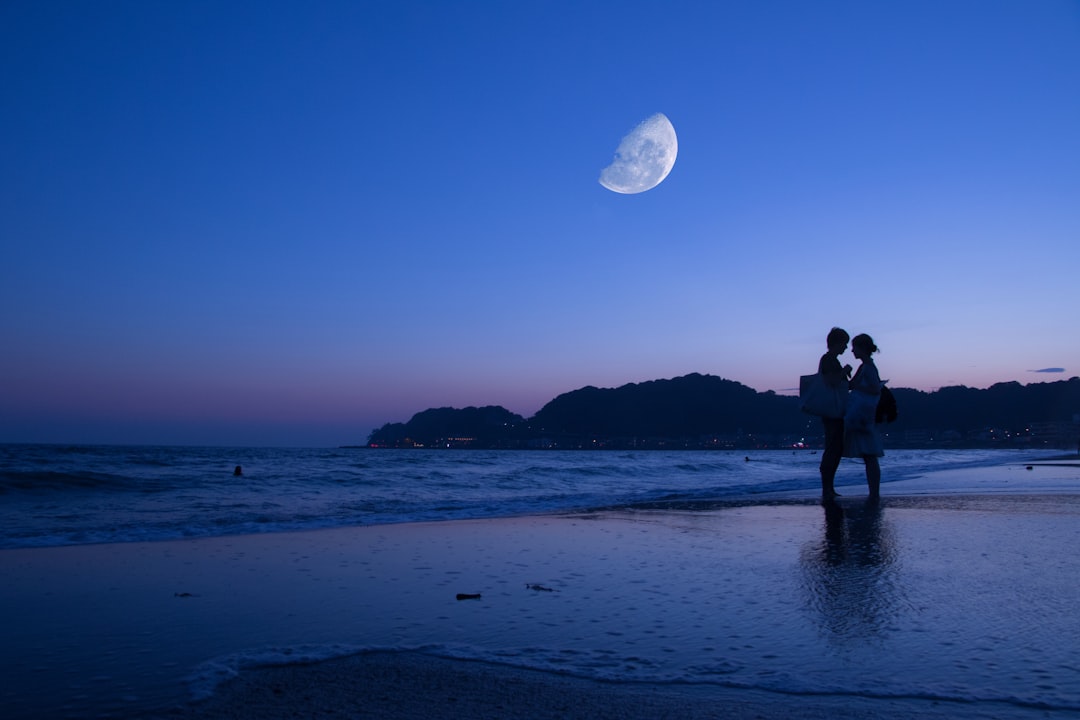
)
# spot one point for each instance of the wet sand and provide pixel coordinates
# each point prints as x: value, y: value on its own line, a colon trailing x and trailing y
x: 923, y: 606
x: 407, y: 686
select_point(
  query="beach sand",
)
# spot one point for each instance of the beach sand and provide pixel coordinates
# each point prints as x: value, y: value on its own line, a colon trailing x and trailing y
x: 406, y: 686
x: 929, y: 605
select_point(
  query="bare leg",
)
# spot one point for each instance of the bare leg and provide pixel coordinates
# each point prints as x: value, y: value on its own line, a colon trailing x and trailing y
x: 830, y: 457
x: 873, y: 475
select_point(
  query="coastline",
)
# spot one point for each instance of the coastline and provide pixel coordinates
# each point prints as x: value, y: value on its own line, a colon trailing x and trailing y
x: 410, y: 686
x: 139, y: 495
x: 722, y: 612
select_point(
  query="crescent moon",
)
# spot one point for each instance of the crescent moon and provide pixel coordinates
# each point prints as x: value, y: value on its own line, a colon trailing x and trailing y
x: 644, y: 157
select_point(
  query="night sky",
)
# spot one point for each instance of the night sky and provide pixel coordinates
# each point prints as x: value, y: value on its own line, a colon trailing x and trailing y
x: 286, y: 223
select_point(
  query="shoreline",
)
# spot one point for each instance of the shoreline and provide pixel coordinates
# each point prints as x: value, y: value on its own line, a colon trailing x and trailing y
x: 273, y: 497
x: 409, y: 685
x: 412, y: 686
x: 641, y: 600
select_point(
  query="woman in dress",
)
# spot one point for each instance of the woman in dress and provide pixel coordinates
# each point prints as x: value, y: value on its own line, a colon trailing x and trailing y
x: 861, y: 438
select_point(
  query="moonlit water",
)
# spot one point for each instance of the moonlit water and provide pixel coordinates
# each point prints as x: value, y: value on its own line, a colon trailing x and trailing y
x: 678, y: 575
x: 59, y: 495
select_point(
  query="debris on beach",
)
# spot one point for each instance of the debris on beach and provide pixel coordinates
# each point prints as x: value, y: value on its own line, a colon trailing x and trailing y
x: 539, y: 588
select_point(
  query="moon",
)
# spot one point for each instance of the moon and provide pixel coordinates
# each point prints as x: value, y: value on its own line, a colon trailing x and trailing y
x: 644, y: 157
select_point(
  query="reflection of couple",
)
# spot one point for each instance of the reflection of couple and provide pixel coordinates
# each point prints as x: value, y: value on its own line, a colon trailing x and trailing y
x: 850, y: 575
x: 854, y: 435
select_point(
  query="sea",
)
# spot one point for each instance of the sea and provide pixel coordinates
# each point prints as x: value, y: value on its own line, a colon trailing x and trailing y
x: 71, y: 495
x: 722, y: 571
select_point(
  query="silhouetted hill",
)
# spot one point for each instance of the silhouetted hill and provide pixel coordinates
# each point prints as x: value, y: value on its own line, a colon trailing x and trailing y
x: 483, y: 426
x: 686, y: 406
x: 704, y: 411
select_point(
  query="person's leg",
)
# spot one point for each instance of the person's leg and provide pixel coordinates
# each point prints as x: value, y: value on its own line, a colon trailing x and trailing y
x: 873, y: 475
x: 830, y: 456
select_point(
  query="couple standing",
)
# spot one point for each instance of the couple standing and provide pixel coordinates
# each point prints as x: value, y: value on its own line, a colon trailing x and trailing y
x: 855, y: 434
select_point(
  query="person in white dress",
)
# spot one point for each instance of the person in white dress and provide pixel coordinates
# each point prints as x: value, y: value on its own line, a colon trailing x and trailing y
x: 861, y: 437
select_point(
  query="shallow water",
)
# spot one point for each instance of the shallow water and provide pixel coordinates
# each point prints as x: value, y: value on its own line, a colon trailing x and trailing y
x: 973, y: 603
x: 59, y: 495
x: 695, y: 567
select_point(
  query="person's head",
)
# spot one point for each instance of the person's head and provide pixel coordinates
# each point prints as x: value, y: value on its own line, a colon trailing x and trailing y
x: 837, y: 340
x: 863, y: 346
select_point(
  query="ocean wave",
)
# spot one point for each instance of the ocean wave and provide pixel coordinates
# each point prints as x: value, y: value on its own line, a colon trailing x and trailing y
x: 71, y: 495
x: 43, y: 481
x: 625, y: 670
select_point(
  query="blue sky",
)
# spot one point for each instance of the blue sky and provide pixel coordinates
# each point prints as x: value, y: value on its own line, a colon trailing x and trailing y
x: 288, y: 223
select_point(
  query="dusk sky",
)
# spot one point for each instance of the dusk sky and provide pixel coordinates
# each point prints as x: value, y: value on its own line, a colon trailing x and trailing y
x: 287, y: 223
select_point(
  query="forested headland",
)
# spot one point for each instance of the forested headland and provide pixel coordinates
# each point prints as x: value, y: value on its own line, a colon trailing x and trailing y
x: 704, y: 411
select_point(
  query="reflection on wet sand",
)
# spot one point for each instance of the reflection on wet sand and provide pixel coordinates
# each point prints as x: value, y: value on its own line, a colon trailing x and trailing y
x: 850, y: 574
